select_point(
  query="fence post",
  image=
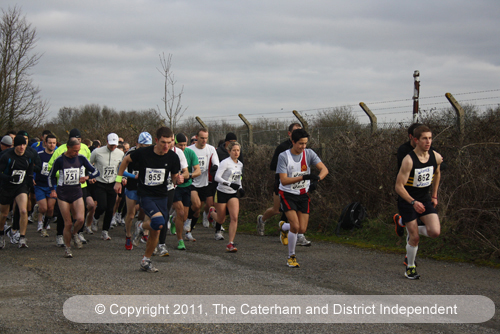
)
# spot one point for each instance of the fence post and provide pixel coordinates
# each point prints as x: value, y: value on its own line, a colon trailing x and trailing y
x: 301, y: 120
x: 373, y: 118
x: 460, y: 115
x: 250, y: 129
x: 203, y: 125
x: 416, y: 93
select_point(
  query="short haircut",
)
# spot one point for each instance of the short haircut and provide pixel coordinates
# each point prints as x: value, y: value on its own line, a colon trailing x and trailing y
x: 201, y: 130
x: 290, y: 128
x: 298, y: 134
x: 232, y: 144
x: 412, y: 128
x: 50, y: 136
x: 417, y: 133
x: 73, y: 141
x: 164, y: 132
x: 96, y: 143
x: 46, y: 132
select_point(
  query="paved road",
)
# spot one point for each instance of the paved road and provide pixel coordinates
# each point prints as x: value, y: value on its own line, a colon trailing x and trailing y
x: 35, y: 282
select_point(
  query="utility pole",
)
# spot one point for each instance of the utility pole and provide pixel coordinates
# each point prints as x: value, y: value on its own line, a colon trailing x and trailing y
x: 416, y: 93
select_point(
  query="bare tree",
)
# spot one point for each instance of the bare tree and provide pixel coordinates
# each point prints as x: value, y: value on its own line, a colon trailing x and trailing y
x: 171, y: 101
x: 20, y: 101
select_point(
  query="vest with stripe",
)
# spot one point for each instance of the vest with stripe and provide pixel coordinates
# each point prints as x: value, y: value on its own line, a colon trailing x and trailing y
x: 421, y: 177
x: 294, y: 169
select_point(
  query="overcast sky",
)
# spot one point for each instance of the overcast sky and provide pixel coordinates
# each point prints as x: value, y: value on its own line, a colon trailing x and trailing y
x: 266, y: 58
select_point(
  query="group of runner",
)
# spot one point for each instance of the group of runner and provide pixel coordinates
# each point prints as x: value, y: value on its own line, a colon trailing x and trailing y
x: 167, y: 183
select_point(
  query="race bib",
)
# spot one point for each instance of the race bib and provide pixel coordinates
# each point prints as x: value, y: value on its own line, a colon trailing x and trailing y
x: 45, y: 169
x: 235, y: 176
x: 71, y: 176
x: 423, y: 177
x: 202, y: 161
x: 154, y: 177
x: 301, y: 184
x: 21, y: 174
x: 109, y: 172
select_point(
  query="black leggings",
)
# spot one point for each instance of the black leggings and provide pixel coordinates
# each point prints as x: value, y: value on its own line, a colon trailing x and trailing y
x: 105, y: 196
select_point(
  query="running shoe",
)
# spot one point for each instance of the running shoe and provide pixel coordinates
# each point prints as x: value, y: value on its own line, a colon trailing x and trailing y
x: 48, y: 225
x: 31, y: 220
x: 206, y: 223
x: 138, y: 233
x: 302, y: 241
x: 219, y: 236
x: 210, y: 219
x: 88, y: 230
x: 44, y: 233
x: 261, y: 225
x: 189, y: 237
x: 82, y: 238
x: 77, y: 241
x: 35, y: 212
x: 406, y: 262
x: 147, y: 266
x: 292, y: 262
x: 187, y: 225
x: 283, y: 235
x: 95, y: 224
x: 144, y: 239
x: 14, y: 236
x: 2, y: 242
x: 113, y: 223
x: 67, y: 253
x: 162, y: 250
x: 53, y: 220
x: 128, y: 244
x: 411, y: 273
x: 40, y: 227
x: 173, y: 230
x: 400, y: 231
x: 180, y: 245
x: 59, y: 241
x: 105, y: 235
x: 230, y: 248
x: 22, y: 243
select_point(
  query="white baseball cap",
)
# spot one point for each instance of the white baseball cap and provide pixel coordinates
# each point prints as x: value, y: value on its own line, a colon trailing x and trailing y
x: 112, y: 139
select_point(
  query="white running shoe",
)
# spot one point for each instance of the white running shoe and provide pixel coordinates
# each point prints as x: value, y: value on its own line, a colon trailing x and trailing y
x: 302, y: 241
x: 261, y: 225
x: 82, y: 238
x: 40, y: 227
x: 187, y: 225
x: 88, y: 230
x: 189, y: 237
x: 77, y: 241
x: 22, y: 243
x: 206, y: 223
x: 95, y: 224
x: 219, y: 236
x: 105, y: 235
x: 60, y: 241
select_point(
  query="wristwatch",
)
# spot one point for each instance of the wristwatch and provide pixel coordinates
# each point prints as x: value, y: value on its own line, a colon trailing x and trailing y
x: 412, y: 202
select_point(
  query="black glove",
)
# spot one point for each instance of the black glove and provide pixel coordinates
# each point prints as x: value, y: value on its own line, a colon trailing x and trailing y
x: 15, y: 178
x: 242, y: 192
x: 312, y: 177
x: 235, y: 186
x: 213, y: 170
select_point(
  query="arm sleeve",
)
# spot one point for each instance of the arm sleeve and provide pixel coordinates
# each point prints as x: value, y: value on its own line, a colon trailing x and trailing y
x: 94, y: 172
x: 52, y: 179
x: 218, y: 176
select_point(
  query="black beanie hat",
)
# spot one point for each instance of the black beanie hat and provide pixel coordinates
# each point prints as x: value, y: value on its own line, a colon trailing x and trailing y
x: 74, y: 133
x: 180, y: 138
x: 19, y: 140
